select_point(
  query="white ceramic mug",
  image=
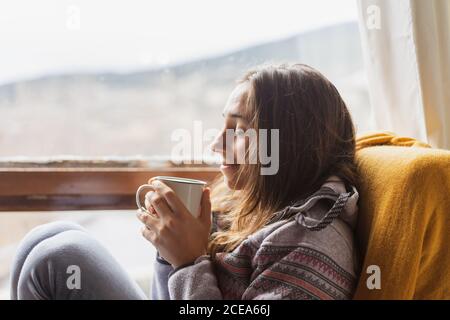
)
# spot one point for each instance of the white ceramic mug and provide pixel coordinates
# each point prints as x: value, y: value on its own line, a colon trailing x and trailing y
x: 188, y: 190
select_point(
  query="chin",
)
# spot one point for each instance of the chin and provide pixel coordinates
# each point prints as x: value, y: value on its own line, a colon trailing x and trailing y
x: 229, y: 174
x: 231, y: 183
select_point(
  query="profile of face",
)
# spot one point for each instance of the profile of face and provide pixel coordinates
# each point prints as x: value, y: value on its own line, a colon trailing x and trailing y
x: 233, y: 114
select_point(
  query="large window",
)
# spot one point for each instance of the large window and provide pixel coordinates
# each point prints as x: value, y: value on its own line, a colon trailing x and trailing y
x: 88, y: 83
x: 114, y: 78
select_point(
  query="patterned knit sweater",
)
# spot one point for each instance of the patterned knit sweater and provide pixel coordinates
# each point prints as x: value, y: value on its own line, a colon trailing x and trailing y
x: 306, y: 252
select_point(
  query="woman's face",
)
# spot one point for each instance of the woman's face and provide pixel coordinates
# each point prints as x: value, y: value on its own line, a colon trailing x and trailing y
x: 233, y: 117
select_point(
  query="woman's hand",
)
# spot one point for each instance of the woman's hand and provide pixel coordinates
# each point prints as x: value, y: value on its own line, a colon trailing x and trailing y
x: 179, y: 237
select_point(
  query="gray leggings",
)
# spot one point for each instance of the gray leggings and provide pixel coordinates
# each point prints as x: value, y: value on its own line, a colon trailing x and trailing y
x: 60, y: 260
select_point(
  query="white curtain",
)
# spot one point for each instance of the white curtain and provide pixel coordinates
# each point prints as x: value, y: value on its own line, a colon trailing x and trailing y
x: 406, y: 44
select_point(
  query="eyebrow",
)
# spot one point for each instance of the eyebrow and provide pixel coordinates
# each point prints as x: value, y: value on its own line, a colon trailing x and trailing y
x: 233, y: 115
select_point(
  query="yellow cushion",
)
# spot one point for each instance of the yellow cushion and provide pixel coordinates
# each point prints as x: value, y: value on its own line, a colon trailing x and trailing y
x: 404, y: 217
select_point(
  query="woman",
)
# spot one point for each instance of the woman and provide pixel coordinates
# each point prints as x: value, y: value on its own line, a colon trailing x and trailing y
x: 287, y: 235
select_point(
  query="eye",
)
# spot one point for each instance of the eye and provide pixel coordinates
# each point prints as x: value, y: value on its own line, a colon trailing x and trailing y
x: 239, y: 132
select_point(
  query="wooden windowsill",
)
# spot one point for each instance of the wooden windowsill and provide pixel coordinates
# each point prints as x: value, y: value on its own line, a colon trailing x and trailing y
x: 87, y: 188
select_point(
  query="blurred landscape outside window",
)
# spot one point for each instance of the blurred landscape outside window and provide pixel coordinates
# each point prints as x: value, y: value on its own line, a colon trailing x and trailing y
x: 84, y: 80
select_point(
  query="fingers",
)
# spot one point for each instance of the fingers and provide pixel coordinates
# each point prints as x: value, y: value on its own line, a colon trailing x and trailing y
x: 148, y: 205
x: 147, y: 219
x: 155, y: 202
x: 149, y: 235
x: 169, y: 195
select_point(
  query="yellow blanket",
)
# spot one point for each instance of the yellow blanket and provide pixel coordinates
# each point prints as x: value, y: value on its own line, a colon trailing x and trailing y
x: 404, y: 218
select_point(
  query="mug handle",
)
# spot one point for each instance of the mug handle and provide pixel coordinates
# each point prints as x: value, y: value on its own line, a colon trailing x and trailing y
x: 138, y: 193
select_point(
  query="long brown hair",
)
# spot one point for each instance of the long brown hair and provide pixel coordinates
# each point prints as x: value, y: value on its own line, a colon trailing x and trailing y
x: 316, y: 140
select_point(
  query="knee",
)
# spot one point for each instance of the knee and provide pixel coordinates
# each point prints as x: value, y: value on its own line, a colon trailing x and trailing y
x: 38, y: 235
x: 52, y: 228
x: 51, y: 259
x: 45, y: 231
x: 72, y: 247
x: 70, y: 244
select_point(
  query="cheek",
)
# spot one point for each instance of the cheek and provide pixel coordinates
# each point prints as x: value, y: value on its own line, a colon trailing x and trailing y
x: 240, y: 147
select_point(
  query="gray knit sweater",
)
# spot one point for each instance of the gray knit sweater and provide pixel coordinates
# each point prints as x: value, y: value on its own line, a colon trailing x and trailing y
x: 306, y: 252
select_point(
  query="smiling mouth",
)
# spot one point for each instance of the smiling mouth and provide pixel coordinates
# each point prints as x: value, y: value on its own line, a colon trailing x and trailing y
x: 225, y: 166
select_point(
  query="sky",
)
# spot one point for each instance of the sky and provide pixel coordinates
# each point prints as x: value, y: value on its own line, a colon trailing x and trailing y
x: 57, y: 36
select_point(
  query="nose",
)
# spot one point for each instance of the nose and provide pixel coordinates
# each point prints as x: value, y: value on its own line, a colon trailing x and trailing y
x: 218, y: 144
